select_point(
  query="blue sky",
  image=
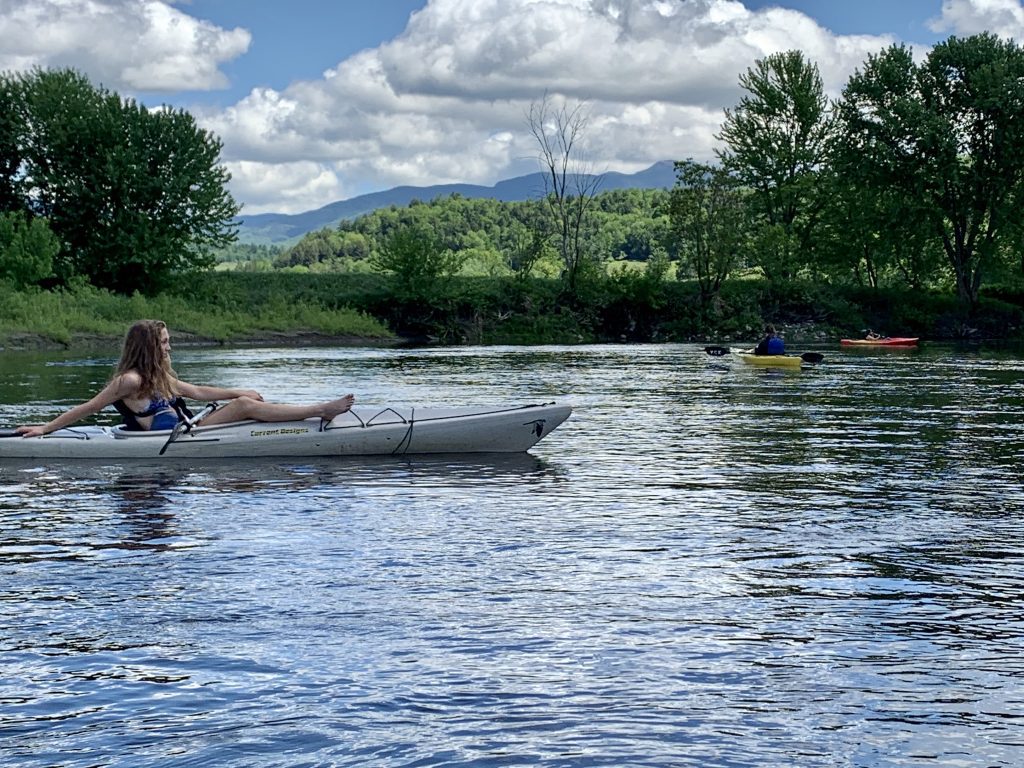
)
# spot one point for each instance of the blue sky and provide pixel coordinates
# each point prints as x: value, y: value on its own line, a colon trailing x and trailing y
x: 321, y: 100
x: 906, y: 19
x: 298, y: 39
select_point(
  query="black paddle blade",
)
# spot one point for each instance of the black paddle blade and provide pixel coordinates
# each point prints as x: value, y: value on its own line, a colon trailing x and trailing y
x: 717, y: 351
x: 812, y: 357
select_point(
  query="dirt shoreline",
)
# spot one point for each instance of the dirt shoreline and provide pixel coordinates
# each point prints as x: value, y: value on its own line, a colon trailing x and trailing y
x: 28, y: 342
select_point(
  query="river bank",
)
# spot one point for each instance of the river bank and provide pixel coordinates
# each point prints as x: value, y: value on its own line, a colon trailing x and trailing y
x: 294, y: 310
x: 28, y: 342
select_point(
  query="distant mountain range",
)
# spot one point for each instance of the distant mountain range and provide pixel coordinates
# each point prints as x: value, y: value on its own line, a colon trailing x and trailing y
x: 282, y: 228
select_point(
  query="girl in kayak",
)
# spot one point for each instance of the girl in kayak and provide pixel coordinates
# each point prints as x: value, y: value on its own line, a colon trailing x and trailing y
x: 771, y: 344
x: 146, y: 391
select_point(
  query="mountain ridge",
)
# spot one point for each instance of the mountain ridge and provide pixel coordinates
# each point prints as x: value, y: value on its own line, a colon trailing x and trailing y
x: 285, y: 228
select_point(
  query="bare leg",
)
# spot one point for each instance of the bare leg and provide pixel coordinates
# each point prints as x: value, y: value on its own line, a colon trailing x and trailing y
x: 242, y: 408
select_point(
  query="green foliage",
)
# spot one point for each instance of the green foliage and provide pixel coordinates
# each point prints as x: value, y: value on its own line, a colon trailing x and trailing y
x: 12, y: 144
x: 314, y: 248
x: 27, y: 248
x: 873, y: 237
x: 947, y: 136
x: 709, y: 224
x: 242, y: 253
x: 418, y: 260
x: 634, y: 300
x: 629, y: 304
x: 492, y: 237
x: 134, y: 195
x: 85, y: 310
x: 777, y: 139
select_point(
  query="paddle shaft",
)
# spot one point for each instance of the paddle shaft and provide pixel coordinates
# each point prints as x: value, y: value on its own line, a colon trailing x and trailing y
x: 187, y: 424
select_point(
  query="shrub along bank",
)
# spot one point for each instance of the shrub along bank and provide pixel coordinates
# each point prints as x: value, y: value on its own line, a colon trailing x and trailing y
x: 237, y: 307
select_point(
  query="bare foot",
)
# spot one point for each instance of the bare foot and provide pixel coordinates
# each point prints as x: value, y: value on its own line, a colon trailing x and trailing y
x: 335, y: 407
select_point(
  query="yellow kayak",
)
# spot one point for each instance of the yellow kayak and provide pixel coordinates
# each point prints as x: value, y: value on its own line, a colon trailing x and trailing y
x: 777, y: 361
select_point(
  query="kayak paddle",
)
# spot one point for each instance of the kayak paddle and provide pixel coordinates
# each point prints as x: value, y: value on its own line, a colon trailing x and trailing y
x: 187, y: 424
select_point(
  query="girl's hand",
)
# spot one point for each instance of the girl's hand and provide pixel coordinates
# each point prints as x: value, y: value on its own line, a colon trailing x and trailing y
x: 251, y: 393
x: 31, y: 430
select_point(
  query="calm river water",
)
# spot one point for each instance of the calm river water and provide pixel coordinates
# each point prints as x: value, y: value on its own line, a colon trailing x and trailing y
x: 709, y: 565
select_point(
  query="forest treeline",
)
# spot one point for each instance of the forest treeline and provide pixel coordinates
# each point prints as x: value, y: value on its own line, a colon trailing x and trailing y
x: 894, y: 206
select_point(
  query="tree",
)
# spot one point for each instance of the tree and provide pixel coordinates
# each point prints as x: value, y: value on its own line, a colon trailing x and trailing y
x: 417, y: 259
x: 949, y: 135
x: 314, y: 248
x: 569, y: 188
x: 27, y: 248
x: 709, y: 223
x: 12, y: 142
x: 134, y: 195
x: 777, y: 139
x: 875, y: 236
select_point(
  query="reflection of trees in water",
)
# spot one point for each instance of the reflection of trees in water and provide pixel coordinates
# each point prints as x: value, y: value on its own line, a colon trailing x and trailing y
x: 57, y: 512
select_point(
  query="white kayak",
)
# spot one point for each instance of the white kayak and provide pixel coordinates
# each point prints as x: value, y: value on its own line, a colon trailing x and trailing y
x: 362, y: 431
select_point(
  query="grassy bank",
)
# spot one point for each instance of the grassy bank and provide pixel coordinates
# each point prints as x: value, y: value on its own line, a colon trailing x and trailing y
x: 235, y: 308
x: 62, y: 318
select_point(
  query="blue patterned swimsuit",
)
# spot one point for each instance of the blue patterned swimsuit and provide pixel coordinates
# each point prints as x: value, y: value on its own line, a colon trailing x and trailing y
x: 160, y: 408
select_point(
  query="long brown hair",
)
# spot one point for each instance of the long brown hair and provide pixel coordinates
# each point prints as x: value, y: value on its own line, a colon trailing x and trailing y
x: 142, y: 353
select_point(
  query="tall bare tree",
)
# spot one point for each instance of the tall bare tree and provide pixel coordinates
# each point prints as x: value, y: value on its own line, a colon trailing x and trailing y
x: 570, y: 186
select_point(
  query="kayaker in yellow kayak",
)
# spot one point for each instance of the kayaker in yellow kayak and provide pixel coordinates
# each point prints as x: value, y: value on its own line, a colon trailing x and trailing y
x: 771, y: 344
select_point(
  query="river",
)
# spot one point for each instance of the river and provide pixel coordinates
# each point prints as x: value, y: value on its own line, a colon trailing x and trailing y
x: 709, y: 564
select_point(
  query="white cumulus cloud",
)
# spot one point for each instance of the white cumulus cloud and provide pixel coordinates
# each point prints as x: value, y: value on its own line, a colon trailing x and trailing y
x: 970, y: 17
x: 124, y: 45
x: 446, y: 100
x: 426, y: 107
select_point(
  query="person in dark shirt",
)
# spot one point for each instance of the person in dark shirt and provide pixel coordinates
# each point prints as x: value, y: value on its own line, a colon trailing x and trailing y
x: 771, y: 344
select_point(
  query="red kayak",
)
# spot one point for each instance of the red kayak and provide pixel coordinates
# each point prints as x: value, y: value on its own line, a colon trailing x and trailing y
x: 885, y: 341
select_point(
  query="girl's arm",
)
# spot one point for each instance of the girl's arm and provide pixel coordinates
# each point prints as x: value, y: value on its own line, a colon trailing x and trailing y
x: 194, y: 392
x: 120, y: 387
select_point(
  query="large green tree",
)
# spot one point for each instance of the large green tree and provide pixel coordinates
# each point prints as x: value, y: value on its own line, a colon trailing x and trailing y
x: 873, y: 237
x: 948, y: 135
x: 133, y: 194
x: 776, y: 140
x: 709, y: 222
